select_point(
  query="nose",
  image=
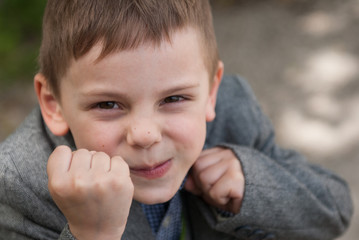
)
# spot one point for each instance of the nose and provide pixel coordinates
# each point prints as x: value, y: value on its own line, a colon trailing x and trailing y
x: 143, y: 133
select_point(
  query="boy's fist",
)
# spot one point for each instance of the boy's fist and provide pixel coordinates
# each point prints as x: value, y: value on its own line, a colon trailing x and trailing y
x: 217, y: 177
x: 92, y: 190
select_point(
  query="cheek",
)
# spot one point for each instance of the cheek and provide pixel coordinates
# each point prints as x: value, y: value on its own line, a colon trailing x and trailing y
x: 188, y: 133
x: 96, y: 138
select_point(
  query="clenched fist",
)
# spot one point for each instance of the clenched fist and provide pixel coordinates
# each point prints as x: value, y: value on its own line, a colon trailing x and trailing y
x: 92, y: 190
x: 217, y: 177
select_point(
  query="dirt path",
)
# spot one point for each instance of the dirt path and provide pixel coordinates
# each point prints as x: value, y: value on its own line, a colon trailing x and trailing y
x: 302, y: 59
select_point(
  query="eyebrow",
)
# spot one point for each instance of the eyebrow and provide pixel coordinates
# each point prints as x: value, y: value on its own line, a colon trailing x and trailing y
x: 104, y: 93
x: 115, y: 94
x: 180, y: 88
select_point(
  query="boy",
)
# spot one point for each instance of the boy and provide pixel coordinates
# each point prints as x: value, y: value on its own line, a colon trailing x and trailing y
x: 120, y: 147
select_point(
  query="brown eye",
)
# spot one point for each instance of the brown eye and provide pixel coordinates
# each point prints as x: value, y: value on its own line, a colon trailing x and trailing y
x: 107, y: 105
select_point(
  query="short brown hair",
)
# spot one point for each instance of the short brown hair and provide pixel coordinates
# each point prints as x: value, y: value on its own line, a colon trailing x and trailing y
x: 72, y: 27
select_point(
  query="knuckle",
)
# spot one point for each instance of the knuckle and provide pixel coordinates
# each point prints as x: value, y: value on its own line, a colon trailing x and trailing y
x: 79, y: 184
x: 125, y: 186
x: 198, y: 164
x: 104, y: 185
x: 101, y: 155
x: 59, y: 188
x: 123, y: 166
x: 235, y: 173
x: 118, y: 159
x: 62, y: 152
x: 81, y: 152
x: 115, y: 184
x: 115, y: 181
x: 97, y: 188
x: 202, y: 177
x: 213, y: 194
x: 233, y: 165
x: 62, y: 149
x: 228, y: 152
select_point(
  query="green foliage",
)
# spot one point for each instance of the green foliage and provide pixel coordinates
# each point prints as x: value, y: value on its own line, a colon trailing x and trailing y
x: 20, y: 36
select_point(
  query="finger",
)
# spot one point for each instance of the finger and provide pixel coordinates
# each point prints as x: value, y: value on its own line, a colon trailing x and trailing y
x: 206, y: 159
x: 59, y: 161
x: 118, y: 165
x: 191, y: 186
x: 121, y: 172
x: 100, y: 162
x: 210, y: 175
x: 81, y: 161
x: 226, y: 188
x: 210, y: 151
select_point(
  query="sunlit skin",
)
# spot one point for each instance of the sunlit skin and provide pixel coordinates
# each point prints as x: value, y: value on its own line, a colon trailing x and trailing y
x: 147, y: 105
x: 138, y: 118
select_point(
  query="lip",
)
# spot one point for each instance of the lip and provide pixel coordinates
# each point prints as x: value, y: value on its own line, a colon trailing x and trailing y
x: 154, y: 172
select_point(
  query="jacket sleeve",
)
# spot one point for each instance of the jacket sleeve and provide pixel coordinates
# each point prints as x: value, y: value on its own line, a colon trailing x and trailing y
x: 24, y: 214
x: 27, y: 210
x: 286, y: 197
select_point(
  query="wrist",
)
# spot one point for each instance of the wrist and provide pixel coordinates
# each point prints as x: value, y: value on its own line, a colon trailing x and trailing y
x: 95, y: 234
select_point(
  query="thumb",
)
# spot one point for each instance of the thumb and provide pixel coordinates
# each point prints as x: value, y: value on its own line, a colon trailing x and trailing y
x: 191, y: 186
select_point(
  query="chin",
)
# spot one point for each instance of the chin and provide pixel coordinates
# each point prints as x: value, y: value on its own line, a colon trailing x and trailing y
x: 154, y: 196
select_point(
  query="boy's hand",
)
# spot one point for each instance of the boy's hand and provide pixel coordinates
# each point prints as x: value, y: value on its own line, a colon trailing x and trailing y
x: 92, y: 190
x: 217, y: 177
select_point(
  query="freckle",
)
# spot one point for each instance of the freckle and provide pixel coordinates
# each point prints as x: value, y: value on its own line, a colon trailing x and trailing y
x: 148, y: 132
x: 103, y: 146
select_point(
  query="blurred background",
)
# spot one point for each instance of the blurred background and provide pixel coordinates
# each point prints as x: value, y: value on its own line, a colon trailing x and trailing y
x: 300, y: 56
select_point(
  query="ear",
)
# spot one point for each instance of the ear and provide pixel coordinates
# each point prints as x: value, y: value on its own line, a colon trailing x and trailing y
x: 50, y: 107
x: 211, y: 104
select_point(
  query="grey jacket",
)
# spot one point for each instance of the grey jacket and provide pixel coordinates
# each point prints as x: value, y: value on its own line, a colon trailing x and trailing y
x: 285, y: 197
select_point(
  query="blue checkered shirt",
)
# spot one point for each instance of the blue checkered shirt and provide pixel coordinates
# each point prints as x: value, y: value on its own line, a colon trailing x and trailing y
x: 165, y: 218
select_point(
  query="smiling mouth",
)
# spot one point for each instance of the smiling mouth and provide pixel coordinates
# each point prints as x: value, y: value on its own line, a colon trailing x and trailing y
x: 153, y: 172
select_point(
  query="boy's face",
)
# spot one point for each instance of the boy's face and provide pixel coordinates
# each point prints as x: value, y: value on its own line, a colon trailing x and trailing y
x: 149, y: 106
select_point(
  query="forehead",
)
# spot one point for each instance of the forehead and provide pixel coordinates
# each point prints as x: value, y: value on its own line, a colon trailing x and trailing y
x: 180, y: 40
x: 179, y: 56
